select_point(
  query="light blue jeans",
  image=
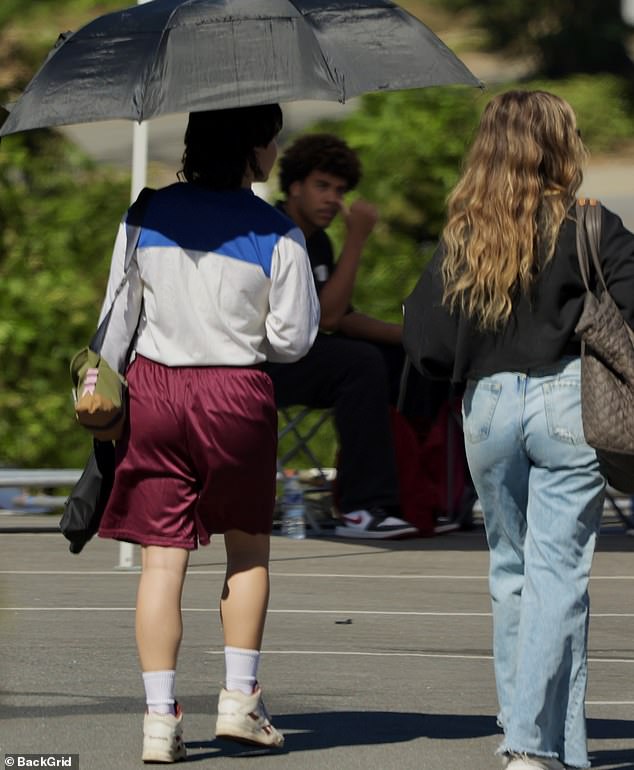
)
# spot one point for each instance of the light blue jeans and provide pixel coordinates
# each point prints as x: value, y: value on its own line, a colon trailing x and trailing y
x: 542, y: 496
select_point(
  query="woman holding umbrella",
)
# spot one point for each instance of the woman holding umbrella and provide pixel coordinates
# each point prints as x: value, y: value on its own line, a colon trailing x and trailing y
x: 220, y: 282
x: 497, y: 309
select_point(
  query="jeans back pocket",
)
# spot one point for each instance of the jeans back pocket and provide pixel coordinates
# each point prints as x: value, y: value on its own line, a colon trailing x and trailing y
x: 562, y: 403
x: 478, y: 406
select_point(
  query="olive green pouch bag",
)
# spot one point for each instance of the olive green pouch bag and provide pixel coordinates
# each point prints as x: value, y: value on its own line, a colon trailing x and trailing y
x: 99, y: 391
x: 100, y: 395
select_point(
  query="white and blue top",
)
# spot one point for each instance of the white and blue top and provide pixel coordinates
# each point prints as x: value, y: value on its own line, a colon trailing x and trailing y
x: 221, y: 278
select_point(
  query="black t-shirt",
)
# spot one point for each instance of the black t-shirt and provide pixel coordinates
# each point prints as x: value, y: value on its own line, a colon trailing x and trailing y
x: 321, y: 257
x: 320, y: 254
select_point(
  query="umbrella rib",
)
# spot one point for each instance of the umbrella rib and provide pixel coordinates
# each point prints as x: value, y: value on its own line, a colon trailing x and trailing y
x: 338, y: 81
x: 160, y: 46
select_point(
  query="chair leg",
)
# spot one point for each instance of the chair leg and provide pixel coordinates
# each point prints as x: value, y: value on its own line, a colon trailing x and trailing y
x: 626, y: 519
x: 301, y: 447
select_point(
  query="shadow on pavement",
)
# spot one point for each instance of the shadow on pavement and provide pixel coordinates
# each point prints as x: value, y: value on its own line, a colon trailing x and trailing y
x: 316, y: 731
x: 613, y: 760
x: 611, y: 729
x: 324, y: 730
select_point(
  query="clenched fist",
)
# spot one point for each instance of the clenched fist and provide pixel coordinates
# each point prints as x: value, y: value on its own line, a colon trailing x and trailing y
x: 360, y: 218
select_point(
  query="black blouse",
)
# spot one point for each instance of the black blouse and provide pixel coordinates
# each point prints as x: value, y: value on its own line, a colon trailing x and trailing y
x: 541, y: 328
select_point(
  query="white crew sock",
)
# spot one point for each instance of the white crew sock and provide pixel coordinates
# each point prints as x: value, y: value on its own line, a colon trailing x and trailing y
x: 241, y: 668
x: 159, y: 691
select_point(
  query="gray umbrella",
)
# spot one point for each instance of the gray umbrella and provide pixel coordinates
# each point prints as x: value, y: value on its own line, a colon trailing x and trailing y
x: 170, y: 56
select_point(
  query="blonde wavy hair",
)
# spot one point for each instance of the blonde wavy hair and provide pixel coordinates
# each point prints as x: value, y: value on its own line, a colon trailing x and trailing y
x: 503, y: 217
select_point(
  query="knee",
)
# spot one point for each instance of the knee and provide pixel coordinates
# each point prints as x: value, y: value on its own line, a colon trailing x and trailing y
x: 366, y: 362
x: 168, y: 560
x: 245, y: 551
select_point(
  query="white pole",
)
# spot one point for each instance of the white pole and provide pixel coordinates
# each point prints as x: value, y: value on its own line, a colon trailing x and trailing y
x: 126, y: 556
x: 139, y: 152
x: 139, y: 157
x: 139, y: 180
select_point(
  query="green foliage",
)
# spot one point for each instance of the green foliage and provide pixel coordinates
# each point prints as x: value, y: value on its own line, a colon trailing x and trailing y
x: 29, y: 30
x: 565, y: 38
x: 16, y: 11
x: 58, y: 216
x: 605, y: 113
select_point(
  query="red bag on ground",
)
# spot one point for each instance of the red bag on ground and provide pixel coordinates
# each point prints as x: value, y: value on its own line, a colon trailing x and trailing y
x: 418, y: 489
x: 441, y: 445
x: 422, y: 467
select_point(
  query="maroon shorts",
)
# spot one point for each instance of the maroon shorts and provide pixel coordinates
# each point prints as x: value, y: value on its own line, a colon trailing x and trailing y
x: 198, y: 456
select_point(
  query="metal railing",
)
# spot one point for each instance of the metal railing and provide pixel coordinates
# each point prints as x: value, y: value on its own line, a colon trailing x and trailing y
x: 39, y: 479
x: 50, y: 478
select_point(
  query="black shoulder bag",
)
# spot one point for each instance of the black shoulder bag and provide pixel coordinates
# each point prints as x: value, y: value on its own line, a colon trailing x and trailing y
x: 86, y: 503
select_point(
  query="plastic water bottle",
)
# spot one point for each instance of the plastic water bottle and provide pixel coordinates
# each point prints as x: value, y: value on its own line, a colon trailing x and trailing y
x: 293, y: 511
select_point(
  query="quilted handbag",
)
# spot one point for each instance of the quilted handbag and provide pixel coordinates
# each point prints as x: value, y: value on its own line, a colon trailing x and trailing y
x: 607, y: 361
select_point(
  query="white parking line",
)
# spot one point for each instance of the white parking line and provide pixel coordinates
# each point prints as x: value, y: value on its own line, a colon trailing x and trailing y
x: 360, y: 654
x: 440, y: 655
x: 414, y: 613
x: 326, y: 576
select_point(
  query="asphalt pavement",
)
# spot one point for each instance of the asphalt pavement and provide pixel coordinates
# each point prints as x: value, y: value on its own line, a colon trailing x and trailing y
x: 376, y: 655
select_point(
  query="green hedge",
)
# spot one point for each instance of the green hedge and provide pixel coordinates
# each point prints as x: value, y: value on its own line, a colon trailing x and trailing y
x: 58, y: 219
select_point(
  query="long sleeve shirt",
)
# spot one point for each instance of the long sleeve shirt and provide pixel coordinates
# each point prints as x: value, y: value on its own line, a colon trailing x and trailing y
x: 542, y: 325
x: 217, y: 279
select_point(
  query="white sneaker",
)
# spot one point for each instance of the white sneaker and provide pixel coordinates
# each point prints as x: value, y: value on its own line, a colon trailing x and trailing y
x: 163, y: 737
x: 532, y: 762
x: 374, y: 524
x: 244, y: 718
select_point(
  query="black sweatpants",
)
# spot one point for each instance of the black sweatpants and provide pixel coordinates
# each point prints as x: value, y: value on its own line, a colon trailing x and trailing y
x: 352, y: 376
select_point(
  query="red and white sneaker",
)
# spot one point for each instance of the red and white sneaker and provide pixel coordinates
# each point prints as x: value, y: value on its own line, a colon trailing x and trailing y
x: 374, y: 524
x: 244, y: 718
x: 163, y: 737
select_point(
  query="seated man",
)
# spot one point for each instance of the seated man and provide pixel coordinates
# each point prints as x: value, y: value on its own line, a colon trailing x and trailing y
x: 347, y: 368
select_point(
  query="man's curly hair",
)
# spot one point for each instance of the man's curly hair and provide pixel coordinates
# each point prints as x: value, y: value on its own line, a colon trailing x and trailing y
x: 319, y: 152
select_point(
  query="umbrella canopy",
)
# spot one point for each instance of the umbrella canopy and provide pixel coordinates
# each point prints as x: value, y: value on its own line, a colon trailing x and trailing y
x: 169, y: 56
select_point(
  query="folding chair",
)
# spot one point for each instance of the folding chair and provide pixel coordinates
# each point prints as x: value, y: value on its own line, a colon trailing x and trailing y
x: 302, y: 435
x: 622, y: 510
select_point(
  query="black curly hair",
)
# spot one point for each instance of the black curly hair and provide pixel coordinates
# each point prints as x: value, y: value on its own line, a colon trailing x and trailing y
x: 319, y: 152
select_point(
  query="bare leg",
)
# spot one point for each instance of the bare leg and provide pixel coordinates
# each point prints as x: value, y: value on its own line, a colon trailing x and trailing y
x: 245, y: 595
x: 243, y: 606
x: 159, y: 625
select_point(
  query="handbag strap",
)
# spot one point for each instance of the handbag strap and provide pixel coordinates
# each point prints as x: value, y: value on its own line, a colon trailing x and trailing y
x: 588, y: 212
x: 402, y: 389
x: 134, y: 221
